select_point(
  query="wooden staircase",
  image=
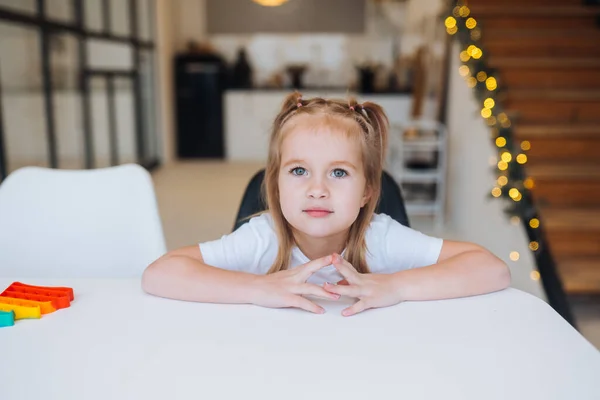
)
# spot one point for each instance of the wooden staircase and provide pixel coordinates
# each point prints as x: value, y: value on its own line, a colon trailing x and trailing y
x: 547, y: 54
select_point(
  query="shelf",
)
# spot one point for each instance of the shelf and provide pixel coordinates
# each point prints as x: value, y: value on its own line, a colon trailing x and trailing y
x: 426, y: 176
x: 421, y: 208
x: 421, y: 144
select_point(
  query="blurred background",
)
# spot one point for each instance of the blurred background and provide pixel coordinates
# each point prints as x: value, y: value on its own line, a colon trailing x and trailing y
x: 493, y: 111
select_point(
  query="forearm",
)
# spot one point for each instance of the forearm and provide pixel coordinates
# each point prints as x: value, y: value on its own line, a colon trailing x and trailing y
x: 185, y: 278
x: 466, y: 274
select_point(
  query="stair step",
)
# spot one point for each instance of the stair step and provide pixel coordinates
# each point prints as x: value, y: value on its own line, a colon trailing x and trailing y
x: 554, y: 63
x: 563, y: 171
x: 572, y: 232
x: 526, y: 132
x: 583, y: 33
x: 552, y: 106
x: 491, y: 22
x: 550, y: 78
x: 555, y: 94
x: 557, y: 192
x: 565, y: 185
x: 512, y: 3
x: 581, y: 150
x: 585, y: 220
x: 546, y: 43
x: 580, y: 275
x: 533, y: 10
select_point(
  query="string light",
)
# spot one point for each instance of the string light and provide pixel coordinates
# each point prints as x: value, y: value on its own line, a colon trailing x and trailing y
x: 491, y: 121
x: 506, y: 157
x: 534, y: 275
x: 515, y: 194
x: 514, y: 255
x: 534, y: 223
x: 474, y: 74
x: 450, y: 22
x: 528, y: 183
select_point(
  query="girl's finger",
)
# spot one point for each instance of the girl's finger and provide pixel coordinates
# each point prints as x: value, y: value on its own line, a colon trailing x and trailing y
x: 357, y: 307
x: 345, y: 269
x: 339, y: 259
x: 318, y: 291
x: 343, y: 290
x: 313, y: 266
x: 305, y: 304
x: 343, y: 282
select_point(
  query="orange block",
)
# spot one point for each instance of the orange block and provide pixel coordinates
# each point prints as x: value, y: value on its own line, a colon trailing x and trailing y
x: 46, y: 307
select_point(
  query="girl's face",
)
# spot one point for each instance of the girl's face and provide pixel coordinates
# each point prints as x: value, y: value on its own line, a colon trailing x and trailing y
x: 322, y: 185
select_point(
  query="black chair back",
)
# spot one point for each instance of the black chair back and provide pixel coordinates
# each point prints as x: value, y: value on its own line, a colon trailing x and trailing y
x: 390, y: 203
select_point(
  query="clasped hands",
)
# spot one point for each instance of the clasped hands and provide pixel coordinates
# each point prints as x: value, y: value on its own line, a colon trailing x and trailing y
x: 287, y: 288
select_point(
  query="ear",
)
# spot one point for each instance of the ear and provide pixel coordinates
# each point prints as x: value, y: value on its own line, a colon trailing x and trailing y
x: 366, y: 197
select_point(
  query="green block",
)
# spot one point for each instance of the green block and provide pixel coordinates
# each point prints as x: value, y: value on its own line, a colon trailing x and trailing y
x: 7, y: 318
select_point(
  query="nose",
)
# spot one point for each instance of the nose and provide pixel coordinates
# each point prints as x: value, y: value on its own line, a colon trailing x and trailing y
x: 317, y: 189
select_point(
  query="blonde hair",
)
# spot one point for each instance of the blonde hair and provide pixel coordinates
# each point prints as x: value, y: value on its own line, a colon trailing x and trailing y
x: 368, y: 123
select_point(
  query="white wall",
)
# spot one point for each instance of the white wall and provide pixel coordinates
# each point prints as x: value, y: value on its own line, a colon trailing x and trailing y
x: 249, y: 117
x: 332, y: 57
x: 472, y: 214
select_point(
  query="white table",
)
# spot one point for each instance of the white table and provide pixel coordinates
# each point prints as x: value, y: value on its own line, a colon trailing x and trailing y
x: 115, y: 342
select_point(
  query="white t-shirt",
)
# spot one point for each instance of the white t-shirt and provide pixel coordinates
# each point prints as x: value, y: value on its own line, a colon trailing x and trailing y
x: 391, y: 247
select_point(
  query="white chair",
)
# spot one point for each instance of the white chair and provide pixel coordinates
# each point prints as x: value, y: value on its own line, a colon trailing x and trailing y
x: 78, y: 223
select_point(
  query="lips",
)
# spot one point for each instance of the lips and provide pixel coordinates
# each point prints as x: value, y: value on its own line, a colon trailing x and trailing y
x: 317, y: 212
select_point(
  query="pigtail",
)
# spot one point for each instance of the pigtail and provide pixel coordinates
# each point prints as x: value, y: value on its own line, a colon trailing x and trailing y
x: 379, y: 120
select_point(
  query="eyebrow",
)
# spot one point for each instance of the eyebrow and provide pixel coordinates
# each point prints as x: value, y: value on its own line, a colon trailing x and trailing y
x: 297, y: 161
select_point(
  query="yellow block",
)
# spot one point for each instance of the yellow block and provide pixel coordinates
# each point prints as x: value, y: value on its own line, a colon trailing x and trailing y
x: 22, y: 311
x: 46, y: 307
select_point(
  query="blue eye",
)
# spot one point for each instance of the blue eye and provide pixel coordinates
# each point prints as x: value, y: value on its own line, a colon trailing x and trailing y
x: 339, y: 173
x: 298, y: 171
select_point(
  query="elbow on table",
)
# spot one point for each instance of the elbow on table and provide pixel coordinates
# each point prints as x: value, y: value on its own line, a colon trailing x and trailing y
x: 503, y: 275
x: 151, y: 278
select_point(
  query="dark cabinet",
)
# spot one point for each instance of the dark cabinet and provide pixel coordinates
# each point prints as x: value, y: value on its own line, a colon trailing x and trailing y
x: 200, y: 82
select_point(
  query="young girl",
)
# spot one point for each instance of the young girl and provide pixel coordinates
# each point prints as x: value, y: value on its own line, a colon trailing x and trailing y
x: 320, y: 235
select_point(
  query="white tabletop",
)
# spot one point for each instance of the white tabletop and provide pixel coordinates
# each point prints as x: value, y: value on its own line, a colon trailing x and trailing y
x: 115, y: 342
